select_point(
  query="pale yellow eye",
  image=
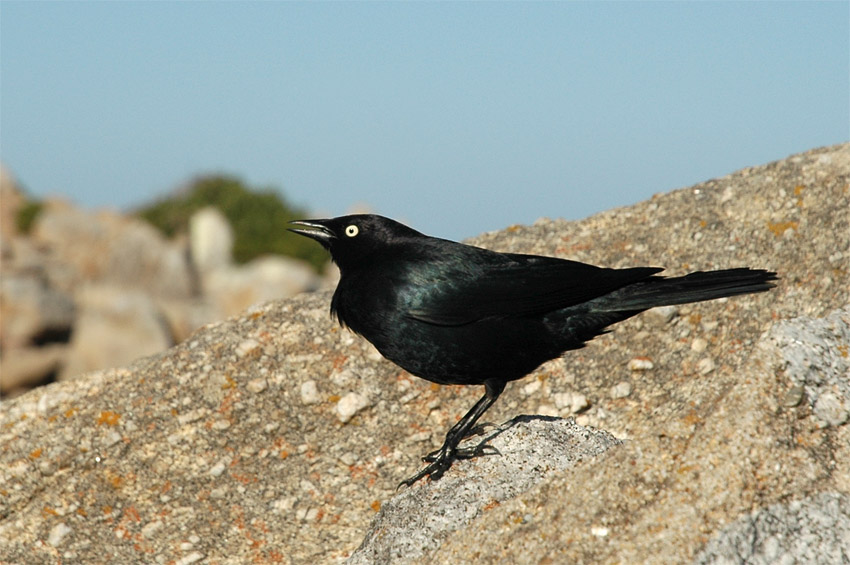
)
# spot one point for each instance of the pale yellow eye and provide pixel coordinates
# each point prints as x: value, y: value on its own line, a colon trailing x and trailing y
x: 352, y: 230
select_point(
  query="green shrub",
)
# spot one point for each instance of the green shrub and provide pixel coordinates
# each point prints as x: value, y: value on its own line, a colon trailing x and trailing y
x: 27, y: 214
x: 258, y: 218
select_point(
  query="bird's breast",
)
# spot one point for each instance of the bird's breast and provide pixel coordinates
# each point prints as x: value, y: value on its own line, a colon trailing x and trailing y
x: 366, y: 305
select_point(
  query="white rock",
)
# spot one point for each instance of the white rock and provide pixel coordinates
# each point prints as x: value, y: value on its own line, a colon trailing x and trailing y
x: 705, y: 365
x: 831, y: 409
x: 256, y: 385
x: 193, y: 557
x: 579, y: 403
x: 219, y: 468
x: 247, y: 347
x: 621, y: 389
x: 641, y: 364
x: 151, y: 528
x: 662, y: 314
x: 532, y: 387
x: 57, y: 534
x: 349, y: 405
x: 210, y: 239
x: 562, y: 399
x: 310, y: 393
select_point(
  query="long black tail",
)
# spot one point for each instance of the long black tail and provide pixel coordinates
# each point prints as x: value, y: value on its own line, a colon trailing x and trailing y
x: 695, y: 287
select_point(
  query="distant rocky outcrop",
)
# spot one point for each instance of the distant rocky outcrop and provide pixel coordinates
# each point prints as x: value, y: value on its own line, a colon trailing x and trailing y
x: 87, y: 290
x: 705, y: 433
x: 234, y: 288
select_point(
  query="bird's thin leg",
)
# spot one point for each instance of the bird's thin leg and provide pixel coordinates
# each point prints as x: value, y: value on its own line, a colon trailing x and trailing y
x: 460, y: 430
x: 440, y: 460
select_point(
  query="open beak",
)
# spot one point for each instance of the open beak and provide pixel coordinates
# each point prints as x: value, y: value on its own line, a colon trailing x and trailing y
x: 318, y: 230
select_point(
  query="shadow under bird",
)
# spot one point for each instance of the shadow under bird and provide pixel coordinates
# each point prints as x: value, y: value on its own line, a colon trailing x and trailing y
x: 457, y: 314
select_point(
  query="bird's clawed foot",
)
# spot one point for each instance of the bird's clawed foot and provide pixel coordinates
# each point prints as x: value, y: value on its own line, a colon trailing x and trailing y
x: 439, y: 463
x: 441, y: 460
x: 464, y: 452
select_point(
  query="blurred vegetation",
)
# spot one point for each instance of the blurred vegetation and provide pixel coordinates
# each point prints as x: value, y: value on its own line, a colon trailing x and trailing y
x: 258, y: 218
x: 27, y: 214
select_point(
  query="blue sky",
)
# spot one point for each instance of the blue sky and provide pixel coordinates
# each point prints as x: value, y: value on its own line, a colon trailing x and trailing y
x: 455, y: 117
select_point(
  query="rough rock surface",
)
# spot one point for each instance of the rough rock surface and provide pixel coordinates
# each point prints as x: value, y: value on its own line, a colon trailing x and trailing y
x: 523, y: 452
x: 814, y: 530
x: 229, y: 447
x: 662, y: 495
x: 817, y: 362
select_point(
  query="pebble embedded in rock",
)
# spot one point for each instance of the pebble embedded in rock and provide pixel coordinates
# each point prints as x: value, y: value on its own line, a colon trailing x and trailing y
x: 193, y: 557
x: 57, y: 534
x: 349, y: 405
x: 793, y: 397
x: 662, y: 314
x: 621, y: 390
x: 705, y: 365
x: 219, y: 468
x: 562, y: 399
x: 641, y: 364
x: 256, y: 385
x: 831, y: 410
x: 579, y: 403
x: 247, y: 347
x: 532, y: 387
x: 310, y: 393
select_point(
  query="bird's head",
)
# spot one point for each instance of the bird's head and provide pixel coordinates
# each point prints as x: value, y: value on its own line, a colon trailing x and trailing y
x: 352, y: 239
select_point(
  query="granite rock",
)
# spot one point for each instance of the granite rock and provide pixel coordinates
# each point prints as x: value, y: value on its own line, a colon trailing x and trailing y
x: 209, y: 451
x: 814, y: 530
x: 114, y: 327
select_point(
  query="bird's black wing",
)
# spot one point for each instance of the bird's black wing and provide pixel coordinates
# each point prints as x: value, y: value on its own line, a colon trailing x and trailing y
x: 513, y: 285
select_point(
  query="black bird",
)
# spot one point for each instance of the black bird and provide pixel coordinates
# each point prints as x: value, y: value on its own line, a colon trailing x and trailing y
x: 456, y: 314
